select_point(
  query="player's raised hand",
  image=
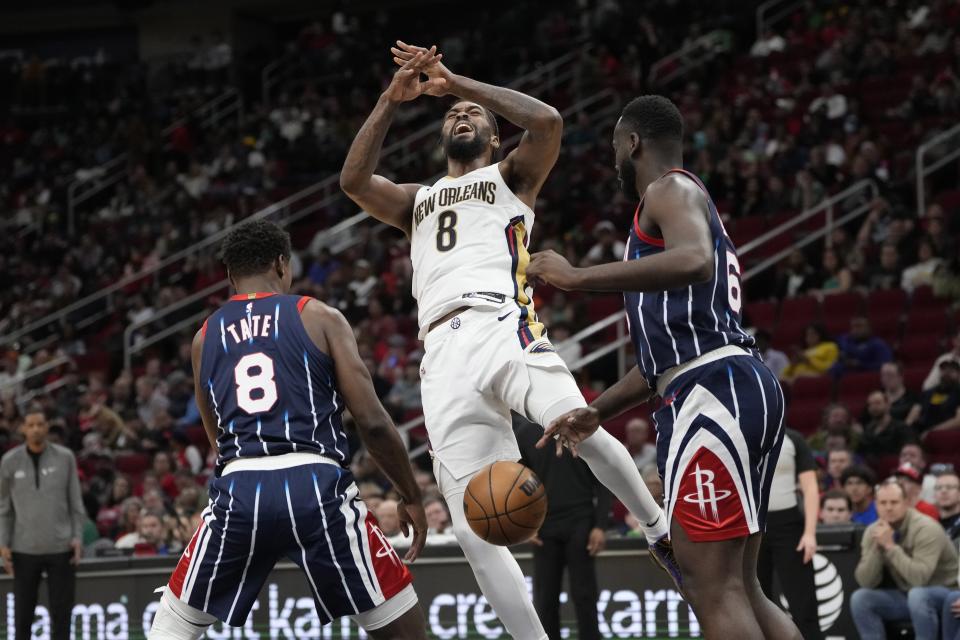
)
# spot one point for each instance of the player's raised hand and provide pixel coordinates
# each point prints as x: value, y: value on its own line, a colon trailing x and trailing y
x: 413, y: 517
x: 570, y: 429
x: 406, y: 84
x: 433, y: 67
x: 549, y: 267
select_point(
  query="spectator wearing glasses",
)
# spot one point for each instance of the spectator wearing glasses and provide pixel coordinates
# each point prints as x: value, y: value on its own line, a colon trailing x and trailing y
x: 919, y: 558
x: 947, y: 497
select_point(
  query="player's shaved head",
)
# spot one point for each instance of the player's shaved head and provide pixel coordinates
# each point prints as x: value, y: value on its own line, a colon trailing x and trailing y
x: 254, y: 247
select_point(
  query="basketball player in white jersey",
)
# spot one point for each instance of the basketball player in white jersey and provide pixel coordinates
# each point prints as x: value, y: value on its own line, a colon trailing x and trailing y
x: 485, y: 351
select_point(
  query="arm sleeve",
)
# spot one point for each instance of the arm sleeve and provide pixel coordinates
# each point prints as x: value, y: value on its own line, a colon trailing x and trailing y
x: 917, y: 569
x: 602, y: 504
x: 6, y: 508
x: 75, y: 499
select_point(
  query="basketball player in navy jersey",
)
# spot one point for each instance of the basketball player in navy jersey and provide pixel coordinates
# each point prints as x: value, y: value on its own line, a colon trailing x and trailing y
x: 273, y: 373
x: 719, y: 426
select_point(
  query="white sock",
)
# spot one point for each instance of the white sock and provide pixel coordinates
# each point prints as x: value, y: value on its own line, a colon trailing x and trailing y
x: 176, y: 620
x: 610, y: 461
x: 499, y: 577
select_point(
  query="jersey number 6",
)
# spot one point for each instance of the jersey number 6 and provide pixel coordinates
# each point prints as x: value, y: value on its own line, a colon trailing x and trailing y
x: 447, y: 230
x: 734, y: 288
x: 254, y: 377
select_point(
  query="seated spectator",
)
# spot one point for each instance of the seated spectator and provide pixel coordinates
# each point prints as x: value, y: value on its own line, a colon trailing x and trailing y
x: 405, y: 394
x: 149, y: 538
x: 186, y: 453
x: 835, y: 508
x: 819, y: 354
x: 608, y: 248
x: 837, y: 423
x: 795, y: 276
x: 933, y: 378
x: 900, y: 401
x: 858, y: 482
x: 109, y: 514
x: 837, y: 462
x: 940, y: 407
x: 162, y: 466
x: 860, y: 350
x: 130, y: 510
x: 438, y: 522
x: 389, y: 523
x: 776, y: 360
x: 363, y: 282
x: 921, y: 273
x: 913, y: 453
x: 638, y: 442
x: 914, y: 552
x: 882, y: 435
x: 911, y: 478
x: 888, y: 273
x: 947, y: 492
x: 834, y: 276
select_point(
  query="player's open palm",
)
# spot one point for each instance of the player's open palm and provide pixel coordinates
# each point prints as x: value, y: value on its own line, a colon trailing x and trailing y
x: 406, y: 84
x: 413, y: 517
x: 571, y: 429
x: 439, y: 75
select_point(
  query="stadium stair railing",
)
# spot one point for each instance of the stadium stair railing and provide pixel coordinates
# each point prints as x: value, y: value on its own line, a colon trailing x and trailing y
x: 772, y: 12
x: 210, y: 114
x: 931, y: 156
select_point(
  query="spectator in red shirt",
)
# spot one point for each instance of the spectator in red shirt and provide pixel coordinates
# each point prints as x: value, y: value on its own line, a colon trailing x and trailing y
x: 911, y: 480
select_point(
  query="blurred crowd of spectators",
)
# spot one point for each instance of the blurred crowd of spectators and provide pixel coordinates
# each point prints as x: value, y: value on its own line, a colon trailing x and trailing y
x: 771, y: 130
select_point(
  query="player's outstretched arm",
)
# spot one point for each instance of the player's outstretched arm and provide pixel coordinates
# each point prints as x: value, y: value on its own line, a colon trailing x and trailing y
x: 333, y: 335
x: 201, y: 393
x: 525, y: 168
x: 678, y: 208
x: 574, y: 426
x: 381, y: 198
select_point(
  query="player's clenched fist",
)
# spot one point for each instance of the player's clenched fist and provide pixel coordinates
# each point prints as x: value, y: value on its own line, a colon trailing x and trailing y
x: 439, y: 75
x: 406, y: 84
x: 549, y: 267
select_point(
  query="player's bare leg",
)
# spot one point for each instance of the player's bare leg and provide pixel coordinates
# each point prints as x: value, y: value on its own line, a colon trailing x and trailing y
x: 714, y: 586
x: 410, y: 626
x: 773, y: 621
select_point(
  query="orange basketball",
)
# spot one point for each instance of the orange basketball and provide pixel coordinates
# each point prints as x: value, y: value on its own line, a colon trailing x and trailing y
x: 505, y: 503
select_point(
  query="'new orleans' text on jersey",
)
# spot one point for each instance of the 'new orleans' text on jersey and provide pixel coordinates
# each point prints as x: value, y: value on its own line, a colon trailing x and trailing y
x: 271, y: 389
x: 483, y: 190
x: 669, y: 328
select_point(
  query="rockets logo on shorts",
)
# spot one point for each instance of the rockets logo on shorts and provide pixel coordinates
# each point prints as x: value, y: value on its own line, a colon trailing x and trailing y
x: 707, y: 496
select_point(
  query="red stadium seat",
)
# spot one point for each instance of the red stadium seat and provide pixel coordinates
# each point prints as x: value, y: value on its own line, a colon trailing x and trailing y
x: 927, y: 321
x: 132, y: 463
x: 887, y: 327
x: 800, y: 309
x: 884, y: 466
x: 920, y: 349
x: 762, y: 315
x: 914, y: 376
x: 923, y: 298
x: 805, y: 417
x: 885, y: 301
x: 855, y: 387
x: 843, y: 305
x: 789, y: 334
x: 943, y: 442
x: 806, y: 388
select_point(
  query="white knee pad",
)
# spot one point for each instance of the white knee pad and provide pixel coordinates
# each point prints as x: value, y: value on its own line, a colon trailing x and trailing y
x: 176, y: 620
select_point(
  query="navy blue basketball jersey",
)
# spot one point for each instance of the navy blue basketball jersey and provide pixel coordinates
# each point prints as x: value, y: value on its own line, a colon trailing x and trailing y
x: 669, y: 328
x: 269, y: 386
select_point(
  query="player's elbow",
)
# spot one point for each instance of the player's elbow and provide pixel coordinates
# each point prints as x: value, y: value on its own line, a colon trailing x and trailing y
x: 700, y: 268
x: 350, y: 184
x: 550, y: 122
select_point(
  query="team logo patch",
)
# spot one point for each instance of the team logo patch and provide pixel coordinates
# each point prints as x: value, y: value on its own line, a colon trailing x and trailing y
x: 543, y: 347
x: 707, y: 500
x: 455, y: 323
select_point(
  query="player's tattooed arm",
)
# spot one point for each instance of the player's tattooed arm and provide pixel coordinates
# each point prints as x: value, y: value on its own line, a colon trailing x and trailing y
x: 525, y: 168
x: 380, y: 197
x: 574, y: 426
x: 675, y: 206
x: 332, y: 334
x: 201, y: 393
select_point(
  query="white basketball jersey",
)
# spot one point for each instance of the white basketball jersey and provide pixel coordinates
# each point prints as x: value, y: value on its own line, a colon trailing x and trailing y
x: 469, y: 246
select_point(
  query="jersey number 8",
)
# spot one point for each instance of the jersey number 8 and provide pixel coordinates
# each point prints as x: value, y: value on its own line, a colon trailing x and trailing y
x: 447, y: 230
x: 254, y: 377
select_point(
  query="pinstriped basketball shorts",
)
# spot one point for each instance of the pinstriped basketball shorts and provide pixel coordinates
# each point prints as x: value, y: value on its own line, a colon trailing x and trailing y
x: 309, y: 514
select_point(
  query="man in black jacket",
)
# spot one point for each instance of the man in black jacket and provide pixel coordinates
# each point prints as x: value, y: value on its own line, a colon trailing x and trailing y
x: 572, y: 534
